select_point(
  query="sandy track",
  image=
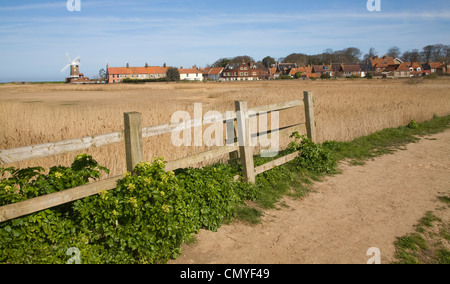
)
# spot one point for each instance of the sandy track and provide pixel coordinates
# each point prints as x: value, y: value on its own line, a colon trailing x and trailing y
x: 365, y: 206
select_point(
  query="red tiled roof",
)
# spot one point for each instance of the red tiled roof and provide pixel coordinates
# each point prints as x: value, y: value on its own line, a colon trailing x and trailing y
x: 351, y: 67
x: 321, y: 68
x: 382, y: 62
x: 137, y: 70
x: 295, y: 70
x: 189, y: 71
x: 403, y: 67
x: 436, y: 65
x: 215, y: 70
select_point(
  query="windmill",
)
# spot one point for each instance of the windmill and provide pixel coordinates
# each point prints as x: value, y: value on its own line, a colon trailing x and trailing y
x: 74, y: 67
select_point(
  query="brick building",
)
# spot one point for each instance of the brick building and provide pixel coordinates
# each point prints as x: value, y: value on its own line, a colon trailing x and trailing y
x: 243, y: 72
x: 118, y: 74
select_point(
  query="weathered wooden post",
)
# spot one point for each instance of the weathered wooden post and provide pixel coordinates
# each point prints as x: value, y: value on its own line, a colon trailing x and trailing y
x: 133, y: 139
x: 309, y: 114
x: 231, y: 137
x: 244, y: 136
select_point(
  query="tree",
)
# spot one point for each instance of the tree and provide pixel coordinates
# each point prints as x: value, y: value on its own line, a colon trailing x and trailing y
x: 394, y: 52
x: 102, y: 73
x: 411, y: 56
x: 238, y: 59
x: 268, y: 61
x: 298, y: 75
x: 369, y: 55
x: 353, y: 54
x: 222, y: 62
x: 328, y: 55
x: 435, y: 53
x: 298, y: 58
x: 427, y: 52
x: 173, y: 74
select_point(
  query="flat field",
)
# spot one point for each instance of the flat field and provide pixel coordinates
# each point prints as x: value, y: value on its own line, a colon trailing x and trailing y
x: 344, y: 110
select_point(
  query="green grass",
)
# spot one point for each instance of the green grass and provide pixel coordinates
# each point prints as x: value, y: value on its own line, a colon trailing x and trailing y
x: 387, y: 140
x: 289, y: 180
x: 426, y: 245
x: 445, y: 199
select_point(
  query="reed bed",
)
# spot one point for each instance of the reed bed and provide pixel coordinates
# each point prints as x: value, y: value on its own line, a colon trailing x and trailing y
x: 344, y: 110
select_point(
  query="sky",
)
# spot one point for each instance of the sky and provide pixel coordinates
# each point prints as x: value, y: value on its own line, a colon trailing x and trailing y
x: 35, y: 35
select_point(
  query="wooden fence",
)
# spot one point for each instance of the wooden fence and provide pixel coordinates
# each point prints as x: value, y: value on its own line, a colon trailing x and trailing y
x: 132, y: 136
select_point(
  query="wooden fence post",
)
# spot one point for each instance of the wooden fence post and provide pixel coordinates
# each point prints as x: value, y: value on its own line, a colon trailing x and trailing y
x: 133, y: 139
x: 309, y: 114
x: 244, y: 139
x: 231, y: 138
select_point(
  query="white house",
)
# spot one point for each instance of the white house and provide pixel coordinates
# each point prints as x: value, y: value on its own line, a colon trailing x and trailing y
x: 192, y: 74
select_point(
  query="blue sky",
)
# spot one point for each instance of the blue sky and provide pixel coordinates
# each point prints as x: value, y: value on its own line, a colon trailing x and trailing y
x: 35, y: 35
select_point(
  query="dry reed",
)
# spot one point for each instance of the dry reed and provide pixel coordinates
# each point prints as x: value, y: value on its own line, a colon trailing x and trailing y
x: 345, y: 109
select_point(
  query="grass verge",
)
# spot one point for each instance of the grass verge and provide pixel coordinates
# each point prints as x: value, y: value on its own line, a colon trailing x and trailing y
x: 430, y: 243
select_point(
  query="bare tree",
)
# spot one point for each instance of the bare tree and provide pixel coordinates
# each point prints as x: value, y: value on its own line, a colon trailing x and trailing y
x: 394, y: 52
x: 412, y: 56
x: 102, y: 73
x: 371, y: 54
x: 427, y: 53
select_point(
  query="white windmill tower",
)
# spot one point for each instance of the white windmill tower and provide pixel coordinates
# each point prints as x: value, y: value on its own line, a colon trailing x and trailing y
x: 74, y: 67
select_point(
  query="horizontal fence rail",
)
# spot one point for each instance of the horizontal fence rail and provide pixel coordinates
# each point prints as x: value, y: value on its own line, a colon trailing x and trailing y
x: 78, y: 144
x: 132, y: 136
x: 62, y: 147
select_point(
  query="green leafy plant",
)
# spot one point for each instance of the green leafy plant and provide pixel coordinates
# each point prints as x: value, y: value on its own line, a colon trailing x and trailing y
x: 42, y: 237
x: 413, y: 124
x: 312, y: 156
x: 144, y: 220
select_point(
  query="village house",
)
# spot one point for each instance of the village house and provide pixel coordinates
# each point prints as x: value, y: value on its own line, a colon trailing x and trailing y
x: 284, y: 68
x: 380, y: 63
x: 273, y: 73
x: 191, y: 74
x: 321, y: 70
x: 118, y: 74
x: 305, y: 72
x: 243, y: 72
x: 212, y: 73
x: 365, y: 69
x: 350, y: 70
x: 437, y: 67
x: 415, y: 69
x: 300, y: 70
x: 397, y: 71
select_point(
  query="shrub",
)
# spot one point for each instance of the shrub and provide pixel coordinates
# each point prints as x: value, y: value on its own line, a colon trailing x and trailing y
x: 173, y: 74
x: 43, y: 237
x: 144, y: 220
x: 413, y: 124
x: 325, y: 76
x: 313, y: 156
x: 215, y: 193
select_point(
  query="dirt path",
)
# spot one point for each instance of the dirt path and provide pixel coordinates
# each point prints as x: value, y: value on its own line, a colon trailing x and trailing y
x: 366, y: 206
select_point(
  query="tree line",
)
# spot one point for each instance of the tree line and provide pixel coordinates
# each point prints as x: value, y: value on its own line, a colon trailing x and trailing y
x: 432, y: 53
